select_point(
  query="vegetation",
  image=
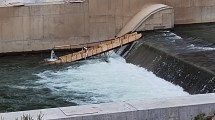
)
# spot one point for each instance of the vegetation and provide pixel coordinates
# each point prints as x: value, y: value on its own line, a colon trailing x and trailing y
x: 203, y: 116
x: 29, y: 117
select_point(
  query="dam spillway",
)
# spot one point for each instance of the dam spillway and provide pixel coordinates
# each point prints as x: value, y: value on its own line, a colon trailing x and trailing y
x: 85, y: 82
x: 188, y: 62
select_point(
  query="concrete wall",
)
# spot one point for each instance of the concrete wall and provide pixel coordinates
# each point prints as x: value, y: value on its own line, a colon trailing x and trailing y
x: 150, y: 17
x: 161, y: 20
x: 178, y: 108
x: 41, y: 27
x: 193, y: 11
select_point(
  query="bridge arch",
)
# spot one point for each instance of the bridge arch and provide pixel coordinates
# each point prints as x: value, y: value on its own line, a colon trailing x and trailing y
x: 151, y: 17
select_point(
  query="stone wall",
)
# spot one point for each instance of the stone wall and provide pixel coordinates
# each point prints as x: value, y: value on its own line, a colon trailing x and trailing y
x: 35, y: 27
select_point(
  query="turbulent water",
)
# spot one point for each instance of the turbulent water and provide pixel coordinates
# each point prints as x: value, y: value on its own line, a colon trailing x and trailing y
x: 27, y: 84
x: 83, y: 82
x: 99, y: 81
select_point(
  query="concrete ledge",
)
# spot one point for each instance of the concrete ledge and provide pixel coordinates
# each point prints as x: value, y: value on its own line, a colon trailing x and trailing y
x: 178, y: 108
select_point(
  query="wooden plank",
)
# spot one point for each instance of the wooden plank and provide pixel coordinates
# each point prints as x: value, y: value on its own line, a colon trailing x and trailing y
x: 98, y: 48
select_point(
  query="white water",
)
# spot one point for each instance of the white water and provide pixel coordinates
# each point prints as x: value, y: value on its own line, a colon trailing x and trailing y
x: 98, y: 81
x: 192, y: 46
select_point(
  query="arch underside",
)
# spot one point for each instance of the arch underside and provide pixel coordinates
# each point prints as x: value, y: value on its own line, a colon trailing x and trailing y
x: 151, y: 17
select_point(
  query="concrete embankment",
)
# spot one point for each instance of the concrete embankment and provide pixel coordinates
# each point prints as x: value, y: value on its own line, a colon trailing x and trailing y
x: 180, y: 108
x: 41, y: 26
x: 170, y: 57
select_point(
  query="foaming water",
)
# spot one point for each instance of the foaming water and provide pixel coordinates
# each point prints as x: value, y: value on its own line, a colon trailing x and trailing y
x: 97, y: 81
x: 200, y: 48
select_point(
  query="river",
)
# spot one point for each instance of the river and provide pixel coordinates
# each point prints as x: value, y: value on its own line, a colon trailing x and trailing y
x: 27, y: 84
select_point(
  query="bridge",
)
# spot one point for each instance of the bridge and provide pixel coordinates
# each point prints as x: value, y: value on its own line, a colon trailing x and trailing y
x: 100, y: 48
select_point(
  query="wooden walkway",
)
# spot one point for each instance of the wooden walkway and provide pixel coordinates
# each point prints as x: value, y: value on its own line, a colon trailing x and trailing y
x: 97, y: 49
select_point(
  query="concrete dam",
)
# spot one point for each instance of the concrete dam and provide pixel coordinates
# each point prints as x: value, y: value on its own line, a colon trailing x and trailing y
x: 157, y: 77
x: 174, y: 62
x: 41, y: 26
x: 89, y: 82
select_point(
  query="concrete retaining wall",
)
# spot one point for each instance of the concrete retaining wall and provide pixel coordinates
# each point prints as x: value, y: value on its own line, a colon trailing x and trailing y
x: 41, y: 26
x: 178, y: 108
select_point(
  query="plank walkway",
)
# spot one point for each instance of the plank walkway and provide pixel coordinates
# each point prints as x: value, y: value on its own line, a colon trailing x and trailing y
x: 97, y: 49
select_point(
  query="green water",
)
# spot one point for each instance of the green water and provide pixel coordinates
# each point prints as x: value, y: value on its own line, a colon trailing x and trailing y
x: 200, y: 31
x: 16, y: 71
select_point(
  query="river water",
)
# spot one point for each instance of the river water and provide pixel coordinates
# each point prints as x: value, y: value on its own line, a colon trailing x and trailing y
x: 26, y: 84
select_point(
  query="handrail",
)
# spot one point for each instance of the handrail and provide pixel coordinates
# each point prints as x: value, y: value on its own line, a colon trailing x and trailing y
x: 85, y: 44
x: 90, y: 43
x: 96, y: 49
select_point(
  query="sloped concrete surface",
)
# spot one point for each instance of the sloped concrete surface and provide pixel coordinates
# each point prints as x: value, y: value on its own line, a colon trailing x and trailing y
x: 179, y: 108
x: 97, y: 109
x: 147, y: 11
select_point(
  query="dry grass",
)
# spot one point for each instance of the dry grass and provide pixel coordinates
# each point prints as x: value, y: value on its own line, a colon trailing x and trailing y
x: 28, y: 117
